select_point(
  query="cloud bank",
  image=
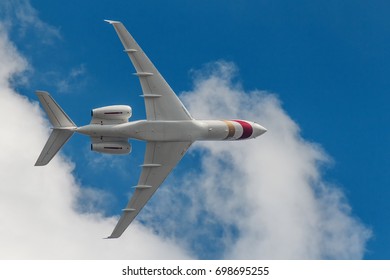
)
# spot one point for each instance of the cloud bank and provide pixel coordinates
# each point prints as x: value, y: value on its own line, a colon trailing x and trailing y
x: 256, y: 199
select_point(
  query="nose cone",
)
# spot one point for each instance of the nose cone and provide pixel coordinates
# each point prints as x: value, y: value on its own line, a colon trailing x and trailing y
x: 258, y: 130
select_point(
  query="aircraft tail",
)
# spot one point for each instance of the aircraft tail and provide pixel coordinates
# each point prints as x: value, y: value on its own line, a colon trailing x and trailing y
x: 63, y: 128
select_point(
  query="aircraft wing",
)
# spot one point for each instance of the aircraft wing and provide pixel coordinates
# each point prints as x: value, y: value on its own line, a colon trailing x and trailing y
x: 160, y: 159
x: 160, y: 100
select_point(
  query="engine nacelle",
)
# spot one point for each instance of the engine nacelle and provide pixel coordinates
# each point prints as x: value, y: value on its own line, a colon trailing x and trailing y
x: 115, y: 113
x: 115, y: 148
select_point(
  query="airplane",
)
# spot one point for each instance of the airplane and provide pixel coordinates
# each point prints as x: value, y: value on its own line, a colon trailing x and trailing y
x: 169, y: 129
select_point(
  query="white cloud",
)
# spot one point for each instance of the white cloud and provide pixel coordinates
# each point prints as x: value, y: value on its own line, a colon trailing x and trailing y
x: 262, y: 198
x: 20, y: 14
x: 38, y: 211
x: 73, y: 80
x: 11, y: 63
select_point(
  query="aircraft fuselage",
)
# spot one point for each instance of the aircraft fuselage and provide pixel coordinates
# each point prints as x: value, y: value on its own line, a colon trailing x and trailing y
x: 192, y: 130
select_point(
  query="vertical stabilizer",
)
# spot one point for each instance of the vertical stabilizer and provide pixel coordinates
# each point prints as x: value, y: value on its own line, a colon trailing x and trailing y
x: 63, y: 128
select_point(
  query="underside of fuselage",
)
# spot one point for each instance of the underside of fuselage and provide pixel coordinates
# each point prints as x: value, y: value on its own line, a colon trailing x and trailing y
x: 176, y: 131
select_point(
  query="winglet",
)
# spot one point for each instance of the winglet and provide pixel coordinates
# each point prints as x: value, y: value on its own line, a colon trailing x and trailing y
x: 111, y: 21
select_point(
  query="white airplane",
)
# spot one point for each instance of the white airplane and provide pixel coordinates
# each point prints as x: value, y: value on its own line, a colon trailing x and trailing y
x: 169, y: 129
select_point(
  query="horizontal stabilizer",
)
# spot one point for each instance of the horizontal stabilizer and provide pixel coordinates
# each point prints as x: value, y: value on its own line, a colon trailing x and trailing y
x: 57, y: 116
x: 57, y: 139
x: 63, y: 128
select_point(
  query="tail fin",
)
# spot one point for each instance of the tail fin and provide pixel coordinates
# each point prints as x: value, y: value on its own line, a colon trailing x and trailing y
x: 63, y: 128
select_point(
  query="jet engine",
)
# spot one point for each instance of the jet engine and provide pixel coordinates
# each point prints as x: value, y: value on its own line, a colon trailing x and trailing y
x: 116, y: 148
x: 111, y: 114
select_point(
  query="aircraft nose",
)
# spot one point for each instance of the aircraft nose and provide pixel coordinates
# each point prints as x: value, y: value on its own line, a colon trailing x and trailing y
x: 258, y: 130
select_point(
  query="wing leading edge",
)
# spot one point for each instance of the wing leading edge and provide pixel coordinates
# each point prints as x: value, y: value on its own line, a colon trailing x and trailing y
x: 160, y: 159
x: 161, y: 102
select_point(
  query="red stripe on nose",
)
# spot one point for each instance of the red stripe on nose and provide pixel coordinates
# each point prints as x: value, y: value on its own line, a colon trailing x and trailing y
x: 247, y: 129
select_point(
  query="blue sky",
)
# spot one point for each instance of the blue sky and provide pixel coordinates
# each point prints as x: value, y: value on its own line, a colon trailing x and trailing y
x: 326, y: 61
